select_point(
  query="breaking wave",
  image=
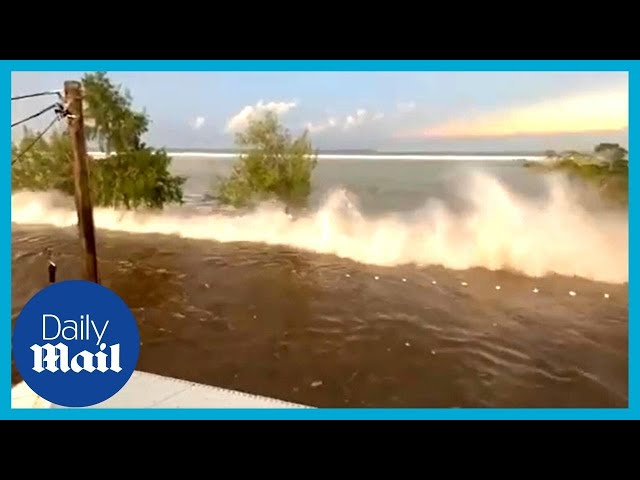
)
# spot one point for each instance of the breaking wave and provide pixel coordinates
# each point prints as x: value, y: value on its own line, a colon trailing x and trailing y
x: 498, y: 230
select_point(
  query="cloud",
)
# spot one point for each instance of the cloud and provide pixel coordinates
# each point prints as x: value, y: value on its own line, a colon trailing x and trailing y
x: 197, y: 123
x: 331, y: 122
x: 359, y: 118
x: 240, y: 120
x: 605, y: 110
x: 405, y: 107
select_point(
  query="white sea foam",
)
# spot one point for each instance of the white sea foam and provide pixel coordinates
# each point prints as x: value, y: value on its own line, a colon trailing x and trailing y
x: 500, y: 230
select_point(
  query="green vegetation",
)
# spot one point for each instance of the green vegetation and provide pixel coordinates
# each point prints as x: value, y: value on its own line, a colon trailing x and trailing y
x: 47, y: 165
x: 273, y: 165
x: 132, y: 175
x: 607, y: 168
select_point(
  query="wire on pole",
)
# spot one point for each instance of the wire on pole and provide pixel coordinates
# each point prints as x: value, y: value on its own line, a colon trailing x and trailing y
x: 39, y: 94
x: 45, y: 110
x: 57, y: 117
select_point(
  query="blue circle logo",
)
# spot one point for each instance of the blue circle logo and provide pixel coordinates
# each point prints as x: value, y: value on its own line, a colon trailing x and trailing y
x: 76, y: 343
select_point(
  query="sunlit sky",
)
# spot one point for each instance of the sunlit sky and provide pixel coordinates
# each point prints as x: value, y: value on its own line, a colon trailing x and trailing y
x: 453, y: 111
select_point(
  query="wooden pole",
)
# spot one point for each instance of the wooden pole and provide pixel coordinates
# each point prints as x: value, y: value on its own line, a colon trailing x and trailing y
x: 73, y: 100
x: 52, y: 272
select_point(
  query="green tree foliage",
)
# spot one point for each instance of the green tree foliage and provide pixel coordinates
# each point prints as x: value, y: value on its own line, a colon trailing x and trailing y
x: 132, y: 175
x: 273, y: 165
x: 112, y: 121
x: 606, y: 168
x: 613, y: 154
x: 604, y: 147
x: 47, y: 165
x: 137, y: 178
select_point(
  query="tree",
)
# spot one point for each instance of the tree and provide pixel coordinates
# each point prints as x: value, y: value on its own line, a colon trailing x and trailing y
x: 613, y: 154
x: 131, y: 175
x: 601, y: 147
x: 138, y: 178
x: 273, y: 165
x: 47, y: 165
x: 610, y: 177
x: 116, y: 127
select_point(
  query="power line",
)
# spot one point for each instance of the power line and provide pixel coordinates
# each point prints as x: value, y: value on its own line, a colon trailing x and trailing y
x: 39, y: 94
x: 56, y: 118
x: 50, y: 107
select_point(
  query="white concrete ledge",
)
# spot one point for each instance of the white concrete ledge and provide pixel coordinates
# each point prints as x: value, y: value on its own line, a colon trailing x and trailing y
x: 146, y: 390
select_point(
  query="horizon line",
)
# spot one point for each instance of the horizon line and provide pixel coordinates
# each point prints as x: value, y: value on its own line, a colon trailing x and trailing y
x: 365, y: 156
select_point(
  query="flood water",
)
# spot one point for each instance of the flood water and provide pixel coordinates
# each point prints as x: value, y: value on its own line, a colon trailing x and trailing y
x: 395, y: 305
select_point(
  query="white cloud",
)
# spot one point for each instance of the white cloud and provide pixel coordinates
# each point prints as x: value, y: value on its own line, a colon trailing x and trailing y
x: 405, y: 107
x: 197, y: 123
x: 240, y: 120
x: 357, y: 119
x: 331, y: 122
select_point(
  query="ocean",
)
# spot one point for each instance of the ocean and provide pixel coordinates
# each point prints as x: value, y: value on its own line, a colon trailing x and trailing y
x: 411, y: 281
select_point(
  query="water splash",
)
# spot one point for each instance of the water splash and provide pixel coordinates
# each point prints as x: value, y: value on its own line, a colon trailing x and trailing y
x: 498, y: 230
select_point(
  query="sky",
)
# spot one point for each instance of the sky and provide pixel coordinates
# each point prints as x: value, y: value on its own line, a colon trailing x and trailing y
x: 392, y: 111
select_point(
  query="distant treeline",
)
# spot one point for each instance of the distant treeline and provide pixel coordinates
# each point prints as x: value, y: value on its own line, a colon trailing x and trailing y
x: 328, y: 151
x: 607, y: 168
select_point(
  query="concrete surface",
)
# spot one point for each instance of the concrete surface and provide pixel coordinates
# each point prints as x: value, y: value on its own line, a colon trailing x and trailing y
x: 146, y: 390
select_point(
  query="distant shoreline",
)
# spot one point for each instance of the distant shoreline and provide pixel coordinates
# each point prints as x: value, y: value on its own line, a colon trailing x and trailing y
x: 367, y: 156
x: 357, y: 151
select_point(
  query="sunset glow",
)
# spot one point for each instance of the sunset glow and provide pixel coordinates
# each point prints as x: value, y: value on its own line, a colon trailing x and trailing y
x: 599, y: 111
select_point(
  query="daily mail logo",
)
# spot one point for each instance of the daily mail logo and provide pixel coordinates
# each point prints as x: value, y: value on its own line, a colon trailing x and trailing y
x: 54, y: 358
x: 76, y: 343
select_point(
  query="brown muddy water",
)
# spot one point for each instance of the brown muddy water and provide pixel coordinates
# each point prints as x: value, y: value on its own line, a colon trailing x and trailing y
x: 327, y: 310
x: 329, y: 332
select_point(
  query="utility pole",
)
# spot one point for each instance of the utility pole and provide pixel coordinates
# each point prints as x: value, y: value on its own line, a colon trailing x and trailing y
x: 73, y: 101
